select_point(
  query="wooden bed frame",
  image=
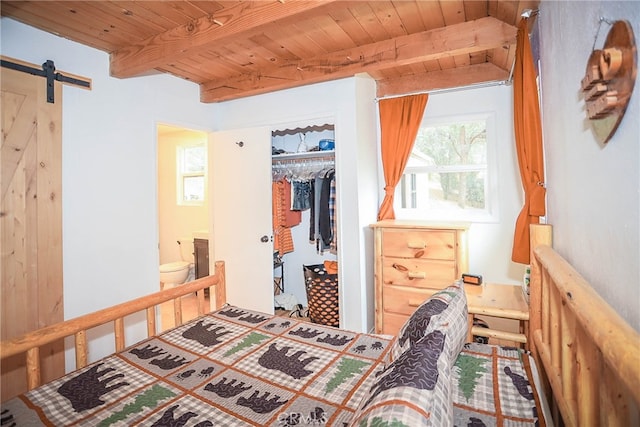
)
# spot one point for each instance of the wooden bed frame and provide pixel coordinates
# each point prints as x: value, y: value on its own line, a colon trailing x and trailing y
x: 587, y: 355
x: 29, y: 344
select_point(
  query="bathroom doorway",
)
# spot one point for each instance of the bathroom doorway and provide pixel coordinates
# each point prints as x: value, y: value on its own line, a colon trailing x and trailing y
x: 183, y: 205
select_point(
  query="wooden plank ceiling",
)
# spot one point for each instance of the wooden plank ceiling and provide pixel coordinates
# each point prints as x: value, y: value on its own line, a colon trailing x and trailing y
x: 234, y: 49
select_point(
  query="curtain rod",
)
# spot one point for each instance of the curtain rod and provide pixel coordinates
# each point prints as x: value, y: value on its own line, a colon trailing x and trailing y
x: 451, y: 89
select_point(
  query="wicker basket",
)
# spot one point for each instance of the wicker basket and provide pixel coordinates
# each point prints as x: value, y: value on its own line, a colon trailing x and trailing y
x: 322, y: 295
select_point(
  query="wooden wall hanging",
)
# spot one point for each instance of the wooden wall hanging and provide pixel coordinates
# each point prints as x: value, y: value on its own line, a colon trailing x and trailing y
x: 609, y: 80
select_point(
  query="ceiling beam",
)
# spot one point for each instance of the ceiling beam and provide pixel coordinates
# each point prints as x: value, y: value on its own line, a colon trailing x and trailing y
x: 239, y: 20
x: 464, y: 38
x: 441, y: 79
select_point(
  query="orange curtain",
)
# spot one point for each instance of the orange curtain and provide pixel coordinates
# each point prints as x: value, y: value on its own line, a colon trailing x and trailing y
x: 400, y: 120
x: 528, y: 132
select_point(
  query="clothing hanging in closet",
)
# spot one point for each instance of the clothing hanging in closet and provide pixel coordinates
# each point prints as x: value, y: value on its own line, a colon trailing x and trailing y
x: 283, y: 217
x: 326, y: 211
x: 313, y: 188
x: 322, y: 223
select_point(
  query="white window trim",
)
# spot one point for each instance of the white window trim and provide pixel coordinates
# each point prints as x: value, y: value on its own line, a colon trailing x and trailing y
x: 181, y: 175
x: 491, y: 211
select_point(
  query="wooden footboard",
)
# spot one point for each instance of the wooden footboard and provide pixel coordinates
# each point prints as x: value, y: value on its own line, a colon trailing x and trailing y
x: 30, y: 343
x: 589, y: 355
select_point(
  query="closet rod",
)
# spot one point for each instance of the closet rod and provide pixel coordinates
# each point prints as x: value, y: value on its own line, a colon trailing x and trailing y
x: 310, y: 161
x: 303, y: 163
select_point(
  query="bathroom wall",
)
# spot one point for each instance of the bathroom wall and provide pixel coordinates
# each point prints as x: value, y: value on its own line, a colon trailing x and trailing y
x: 176, y: 222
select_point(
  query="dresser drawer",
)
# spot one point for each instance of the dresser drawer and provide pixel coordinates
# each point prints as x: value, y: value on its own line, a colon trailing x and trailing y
x: 418, y: 273
x: 403, y: 300
x: 432, y: 244
x: 392, y: 322
x: 414, y: 260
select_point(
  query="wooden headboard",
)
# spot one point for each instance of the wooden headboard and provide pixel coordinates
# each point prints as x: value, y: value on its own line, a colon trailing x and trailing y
x: 590, y: 357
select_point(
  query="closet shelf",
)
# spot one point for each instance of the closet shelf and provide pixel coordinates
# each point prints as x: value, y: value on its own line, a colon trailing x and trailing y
x: 328, y: 154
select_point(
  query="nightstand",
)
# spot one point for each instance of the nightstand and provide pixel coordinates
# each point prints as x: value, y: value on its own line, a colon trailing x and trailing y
x: 495, y: 300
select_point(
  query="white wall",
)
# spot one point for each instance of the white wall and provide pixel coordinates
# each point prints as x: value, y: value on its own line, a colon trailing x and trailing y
x: 593, y: 190
x: 349, y: 105
x: 109, y: 166
x: 109, y: 200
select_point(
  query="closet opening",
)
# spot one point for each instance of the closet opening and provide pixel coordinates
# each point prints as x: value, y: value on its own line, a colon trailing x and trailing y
x: 304, y: 204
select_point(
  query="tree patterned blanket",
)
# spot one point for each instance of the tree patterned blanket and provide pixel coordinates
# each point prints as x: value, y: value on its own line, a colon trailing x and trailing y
x: 493, y: 386
x: 236, y: 367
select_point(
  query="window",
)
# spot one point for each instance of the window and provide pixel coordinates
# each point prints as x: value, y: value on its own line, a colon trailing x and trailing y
x: 191, y: 168
x: 448, y: 175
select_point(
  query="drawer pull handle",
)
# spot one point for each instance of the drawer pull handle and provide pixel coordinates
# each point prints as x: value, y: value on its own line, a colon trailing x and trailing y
x: 419, y: 254
x: 417, y: 244
x: 414, y: 303
x: 400, y: 267
x: 417, y: 275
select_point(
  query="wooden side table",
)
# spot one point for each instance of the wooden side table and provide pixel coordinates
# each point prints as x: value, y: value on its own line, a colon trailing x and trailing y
x: 495, y: 300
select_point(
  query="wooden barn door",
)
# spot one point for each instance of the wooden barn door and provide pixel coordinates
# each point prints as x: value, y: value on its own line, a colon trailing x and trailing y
x: 30, y: 220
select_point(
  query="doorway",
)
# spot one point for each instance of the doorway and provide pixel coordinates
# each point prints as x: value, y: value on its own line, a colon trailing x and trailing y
x: 183, y: 200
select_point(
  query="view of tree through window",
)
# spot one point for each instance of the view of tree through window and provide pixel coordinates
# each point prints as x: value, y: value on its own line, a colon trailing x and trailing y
x: 447, y: 170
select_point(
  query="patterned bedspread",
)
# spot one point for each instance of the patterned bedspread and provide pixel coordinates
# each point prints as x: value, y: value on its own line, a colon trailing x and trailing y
x: 493, y: 386
x: 236, y: 367
x: 233, y: 367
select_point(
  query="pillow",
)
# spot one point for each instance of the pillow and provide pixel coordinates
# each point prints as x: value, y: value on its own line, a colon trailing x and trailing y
x: 414, y: 390
x: 446, y: 311
x: 453, y: 321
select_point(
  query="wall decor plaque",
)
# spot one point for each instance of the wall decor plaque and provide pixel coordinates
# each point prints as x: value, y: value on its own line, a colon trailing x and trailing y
x: 609, y: 79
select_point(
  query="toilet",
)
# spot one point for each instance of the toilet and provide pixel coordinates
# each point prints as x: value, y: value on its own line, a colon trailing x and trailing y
x: 177, y: 272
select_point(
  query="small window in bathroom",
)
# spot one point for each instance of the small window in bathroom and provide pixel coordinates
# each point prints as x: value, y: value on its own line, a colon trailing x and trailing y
x: 191, y: 168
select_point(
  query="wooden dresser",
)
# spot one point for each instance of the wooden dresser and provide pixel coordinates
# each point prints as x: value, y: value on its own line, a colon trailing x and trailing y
x: 413, y: 260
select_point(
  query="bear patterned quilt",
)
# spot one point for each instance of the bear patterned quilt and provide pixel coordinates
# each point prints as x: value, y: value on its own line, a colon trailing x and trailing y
x: 229, y: 368
x: 236, y: 367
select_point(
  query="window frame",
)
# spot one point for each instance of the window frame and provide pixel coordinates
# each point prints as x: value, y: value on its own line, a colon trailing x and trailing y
x: 487, y: 215
x: 181, y: 175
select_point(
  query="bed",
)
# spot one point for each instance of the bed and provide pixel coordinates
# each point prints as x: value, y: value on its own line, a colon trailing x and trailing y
x: 233, y: 366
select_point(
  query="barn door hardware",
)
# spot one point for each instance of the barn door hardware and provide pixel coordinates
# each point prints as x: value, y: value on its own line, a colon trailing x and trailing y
x: 49, y: 72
